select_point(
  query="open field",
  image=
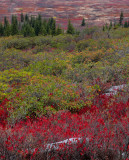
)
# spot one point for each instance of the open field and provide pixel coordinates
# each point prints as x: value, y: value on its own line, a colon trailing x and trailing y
x: 95, y: 11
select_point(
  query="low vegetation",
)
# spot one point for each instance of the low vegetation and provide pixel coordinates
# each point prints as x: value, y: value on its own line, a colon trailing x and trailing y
x: 53, y: 88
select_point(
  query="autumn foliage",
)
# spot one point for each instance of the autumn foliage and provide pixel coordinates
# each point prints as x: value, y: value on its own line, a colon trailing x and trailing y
x: 55, y: 90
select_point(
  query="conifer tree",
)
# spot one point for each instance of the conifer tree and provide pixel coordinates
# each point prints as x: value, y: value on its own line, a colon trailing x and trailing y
x: 48, y: 29
x: 39, y: 19
x: 32, y: 21
x: 106, y: 26
x: 1, y: 29
x: 110, y: 26
x: 121, y: 18
x: 27, y: 30
x: 22, y: 18
x: 44, y: 23
x: 7, y: 28
x: 43, y: 30
x: 53, y: 28
x: 27, y: 18
x: 103, y: 28
x: 126, y: 24
x: 14, y: 25
x: 37, y: 27
x: 50, y: 22
x: 83, y: 22
x: 5, y: 22
x: 19, y: 26
x: 59, y: 30
x: 39, y: 22
x: 70, y: 28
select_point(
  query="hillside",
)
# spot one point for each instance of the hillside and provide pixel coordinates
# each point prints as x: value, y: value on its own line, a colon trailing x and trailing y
x: 94, y: 11
x: 65, y: 96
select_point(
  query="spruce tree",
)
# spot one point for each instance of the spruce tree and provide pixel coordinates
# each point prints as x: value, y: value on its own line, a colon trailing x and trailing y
x: 50, y: 22
x: 59, y: 30
x: 1, y: 29
x: 70, y: 28
x: 121, y: 18
x: 22, y: 18
x: 103, y: 28
x: 106, y: 26
x: 53, y: 28
x: 126, y: 24
x: 27, y: 30
x: 32, y: 21
x: 44, y: 23
x: 43, y: 30
x: 5, y: 22
x: 27, y: 18
x: 83, y: 22
x: 39, y: 19
x: 48, y: 29
x: 14, y: 26
x: 7, y: 29
x: 110, y: 26
x: 39, y: 22
x: 37, y: 27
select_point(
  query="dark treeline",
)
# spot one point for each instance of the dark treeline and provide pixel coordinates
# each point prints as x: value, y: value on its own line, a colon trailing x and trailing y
x: 115, y: 25
x: 34, y: 26
x: 29, y: 26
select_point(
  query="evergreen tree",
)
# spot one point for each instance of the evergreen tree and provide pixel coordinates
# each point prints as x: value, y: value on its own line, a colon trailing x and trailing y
x: 106, y: 26
x: 27, y: 30
x: 7, y: 29
x: 48, y: 29
x: 110, y: 26
x: 121, y: 18
x: 53, y: 28
x: 70, y: 28
x: 43, y: 30
x: 27, y: 18
x: 39, y: 19
x: 37, y: 27
x: 44, y: 23
x: 19, y: 26
x: 103, y: 28
x: 50, y: 22
x: 22, y: 18
x: 126, y: 24
x: 5, y: 22
x: 39, y: 22
x: 1, y: 29
x: 59, y: 30
x: 83, y: 22
x: 32, y: 21
x: 14, y: 26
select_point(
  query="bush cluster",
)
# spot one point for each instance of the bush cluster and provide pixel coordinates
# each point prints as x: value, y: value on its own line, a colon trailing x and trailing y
x: 54, y: 89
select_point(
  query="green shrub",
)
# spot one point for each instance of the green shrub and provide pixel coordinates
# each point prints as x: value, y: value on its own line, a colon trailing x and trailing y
x: 40, y: 40
x: 48, y: 67
x: 13, y: 58
x: 20, y: 43
x: 82, y: 45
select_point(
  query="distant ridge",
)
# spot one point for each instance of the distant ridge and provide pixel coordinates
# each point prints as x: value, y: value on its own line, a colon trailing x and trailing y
x: 94, y: 11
